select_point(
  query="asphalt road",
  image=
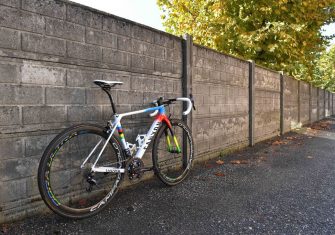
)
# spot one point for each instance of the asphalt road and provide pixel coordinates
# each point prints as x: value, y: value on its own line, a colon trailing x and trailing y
x: 282, y: 186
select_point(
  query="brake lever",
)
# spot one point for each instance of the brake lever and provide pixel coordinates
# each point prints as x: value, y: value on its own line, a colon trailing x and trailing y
x: 192, y: 101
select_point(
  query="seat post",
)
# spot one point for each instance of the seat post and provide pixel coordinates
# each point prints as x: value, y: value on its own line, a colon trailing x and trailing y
x: 107, y: 90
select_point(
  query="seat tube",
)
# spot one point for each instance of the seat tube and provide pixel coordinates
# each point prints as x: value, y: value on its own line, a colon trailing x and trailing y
x: 121, y: 135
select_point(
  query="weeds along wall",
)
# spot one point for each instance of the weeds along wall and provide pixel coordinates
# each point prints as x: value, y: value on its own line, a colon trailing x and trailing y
x: 51, y: 51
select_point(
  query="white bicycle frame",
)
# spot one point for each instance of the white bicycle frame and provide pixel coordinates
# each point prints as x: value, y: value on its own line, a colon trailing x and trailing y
x: 147, y: 139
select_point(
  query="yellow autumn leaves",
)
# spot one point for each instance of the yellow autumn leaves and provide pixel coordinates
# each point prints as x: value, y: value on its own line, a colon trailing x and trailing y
x: 280, y: 34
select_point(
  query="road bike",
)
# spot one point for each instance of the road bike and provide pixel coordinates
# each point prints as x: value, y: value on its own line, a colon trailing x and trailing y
x: 82, y: 167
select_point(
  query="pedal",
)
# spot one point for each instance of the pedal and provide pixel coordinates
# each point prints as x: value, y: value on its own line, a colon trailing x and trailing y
x: 146, y: 169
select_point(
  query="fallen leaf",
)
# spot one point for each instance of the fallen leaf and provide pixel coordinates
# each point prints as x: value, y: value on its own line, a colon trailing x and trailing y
x: 219, y: 173
x: 219, y: 162
x: 235, y: 162
x: 290, y: 138
x: 208, y: 166
x: 278, y: 142
x: 263, y: 158
x: 310, y: 157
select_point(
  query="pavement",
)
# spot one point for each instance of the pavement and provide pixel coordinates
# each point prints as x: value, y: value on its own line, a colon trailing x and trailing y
x: 285, y: 185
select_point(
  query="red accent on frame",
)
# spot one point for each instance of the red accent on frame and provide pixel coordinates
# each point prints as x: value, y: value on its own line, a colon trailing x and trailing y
x: 164, y: 118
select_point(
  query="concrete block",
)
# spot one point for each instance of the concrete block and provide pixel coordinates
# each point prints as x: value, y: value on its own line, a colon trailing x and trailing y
x: 9, y: 115
x: 127, y: 97
x: 117, y: 26
x: 148, y: 49
x: 35, y: 145
x: 32, y: 187
x: 142, y: 83
x: 121, y: 77
x: 111, y: 56
x: 143, y: 34
x: 160, y: 85
x: 124, y: 44
x: 51, y: 8
x: 9, y: 73
x: 84, y: 113
x: 84, y: 51
x: 176, y: 56
x: 82, y: 78
x: 47, y: 75
x: 149, y: 97
x: 9, y: 39
x: 43, y: 114
x: 101, y: 38
x: 18, y: 168
x: 97, y: 96
x: 12, y: 190
x: 17, y: 19
x: 60, y: 95
x: 163, y: 66
x: 11, y: 3
x: 12, y: 94
x: 66, y: 30
x: 143, y: 62
x: 177, y: 68
x: 42, y: 44
x: 11, y: 148
x: 163, y: 40
x: 83, y: 16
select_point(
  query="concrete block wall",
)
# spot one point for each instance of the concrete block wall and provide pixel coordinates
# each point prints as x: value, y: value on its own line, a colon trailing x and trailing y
x: 314, y: 104
x: 50, y: 53
x: 291, y: 88
x: 327, y: 104
x: 220, y: 88
x: 267, y: 103
x: 52, y: 50
x: 321, y: 103
x: 304, y: 96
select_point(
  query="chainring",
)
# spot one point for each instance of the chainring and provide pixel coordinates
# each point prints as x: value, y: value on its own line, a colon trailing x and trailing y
x: 134, y: 168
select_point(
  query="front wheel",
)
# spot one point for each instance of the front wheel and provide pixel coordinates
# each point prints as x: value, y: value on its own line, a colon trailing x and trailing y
x: 66, y: 182
x: 172, y: 152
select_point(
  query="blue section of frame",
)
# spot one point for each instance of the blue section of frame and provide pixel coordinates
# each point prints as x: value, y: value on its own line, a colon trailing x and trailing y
x: 160, y: 109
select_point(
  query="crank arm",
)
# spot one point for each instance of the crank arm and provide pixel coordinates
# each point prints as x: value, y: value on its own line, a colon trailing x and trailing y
x: 146, y: 169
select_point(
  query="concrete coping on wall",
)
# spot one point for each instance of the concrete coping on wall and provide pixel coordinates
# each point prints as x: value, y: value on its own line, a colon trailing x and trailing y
x: 121, y: 19
x: 222, y: 53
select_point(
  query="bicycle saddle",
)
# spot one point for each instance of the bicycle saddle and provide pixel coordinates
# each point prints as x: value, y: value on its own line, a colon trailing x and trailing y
x: 107, y: 84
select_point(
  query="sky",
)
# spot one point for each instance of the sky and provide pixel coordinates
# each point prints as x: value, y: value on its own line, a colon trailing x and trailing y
x: 145, y: 12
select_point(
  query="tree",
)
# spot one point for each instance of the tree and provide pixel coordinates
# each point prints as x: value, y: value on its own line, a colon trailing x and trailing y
x: 324, y: 73
x: 280, y: 34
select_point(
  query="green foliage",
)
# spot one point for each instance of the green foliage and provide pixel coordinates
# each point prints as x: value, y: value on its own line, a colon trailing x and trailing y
x: 324, y: 73
x: 279, y: 34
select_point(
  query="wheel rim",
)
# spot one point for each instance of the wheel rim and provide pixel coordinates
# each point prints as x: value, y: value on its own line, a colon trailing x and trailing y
x: 72, y: 188
x: 173, y: 165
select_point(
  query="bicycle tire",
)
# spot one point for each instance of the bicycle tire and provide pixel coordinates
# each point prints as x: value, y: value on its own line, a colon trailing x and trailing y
x: 171, y: 167
x: 63, y: 158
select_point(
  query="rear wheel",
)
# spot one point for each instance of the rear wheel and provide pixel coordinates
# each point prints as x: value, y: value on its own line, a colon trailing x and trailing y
x: 68, y: 186
x: 172, y: 156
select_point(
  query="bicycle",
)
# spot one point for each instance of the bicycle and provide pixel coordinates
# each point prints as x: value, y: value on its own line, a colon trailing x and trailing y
x: 82, y: 168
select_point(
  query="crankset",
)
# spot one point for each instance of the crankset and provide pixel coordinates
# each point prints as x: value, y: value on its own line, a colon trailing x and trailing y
x: 136, y: 169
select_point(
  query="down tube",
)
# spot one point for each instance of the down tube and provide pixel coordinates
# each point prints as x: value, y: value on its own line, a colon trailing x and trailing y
x: 151, y: 133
